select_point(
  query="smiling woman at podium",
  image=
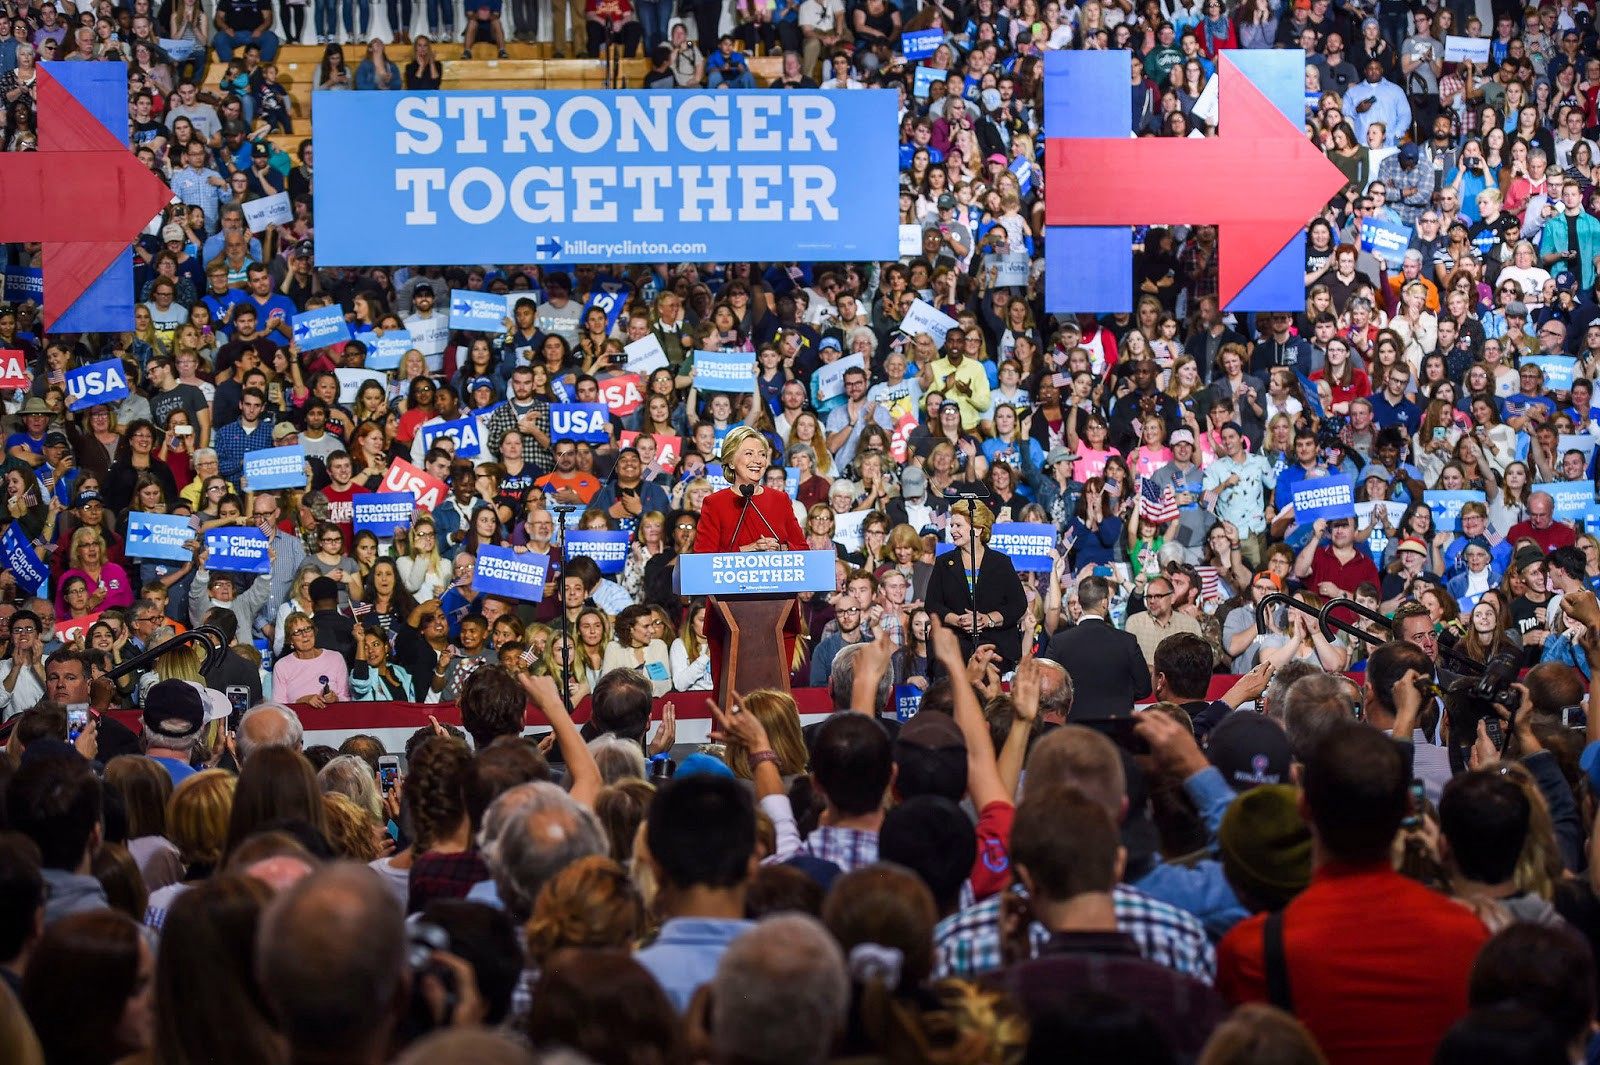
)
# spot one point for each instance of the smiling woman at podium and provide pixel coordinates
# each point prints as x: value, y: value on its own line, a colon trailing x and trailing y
x: 746, y: 516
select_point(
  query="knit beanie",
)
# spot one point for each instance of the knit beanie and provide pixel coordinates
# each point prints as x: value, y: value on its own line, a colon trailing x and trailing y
x: 1266, y: 846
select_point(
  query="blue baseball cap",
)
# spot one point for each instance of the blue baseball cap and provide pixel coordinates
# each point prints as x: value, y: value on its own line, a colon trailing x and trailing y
x: 479, y: 382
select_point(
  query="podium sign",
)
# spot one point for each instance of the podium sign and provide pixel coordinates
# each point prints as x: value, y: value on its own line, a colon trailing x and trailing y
x: 756, y: 573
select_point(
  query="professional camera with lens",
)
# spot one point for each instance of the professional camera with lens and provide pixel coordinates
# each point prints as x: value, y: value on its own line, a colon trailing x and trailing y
x: 1470, y: 701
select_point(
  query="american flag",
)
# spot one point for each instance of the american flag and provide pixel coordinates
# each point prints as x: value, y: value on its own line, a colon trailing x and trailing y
x: 1157, y: 505
x: 1210, y: 584
x: 360, y: 609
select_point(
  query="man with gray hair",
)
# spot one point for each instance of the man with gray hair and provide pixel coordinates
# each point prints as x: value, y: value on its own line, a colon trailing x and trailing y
x: 530, y: 834
x: 1314, y: 707
x: 174, y: 714
x: 1284, y: 678
x: 780, y: 995
x: 268, y: 725
x: 842, y: 679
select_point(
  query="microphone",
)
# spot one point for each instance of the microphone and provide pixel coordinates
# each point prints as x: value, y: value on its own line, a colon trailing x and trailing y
x: 745, y: 492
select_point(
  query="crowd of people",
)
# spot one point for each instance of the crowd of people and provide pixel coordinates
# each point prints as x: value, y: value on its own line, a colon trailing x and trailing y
x: 1207, y: 879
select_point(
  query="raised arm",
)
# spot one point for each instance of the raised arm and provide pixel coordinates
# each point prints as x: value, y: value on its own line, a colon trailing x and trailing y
x: 581, y: 766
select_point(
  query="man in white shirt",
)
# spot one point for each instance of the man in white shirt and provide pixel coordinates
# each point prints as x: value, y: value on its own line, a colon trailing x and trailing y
x: 202, y: 116
x: 429, y: 327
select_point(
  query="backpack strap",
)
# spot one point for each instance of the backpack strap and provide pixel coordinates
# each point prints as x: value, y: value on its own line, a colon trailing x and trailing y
x: 1276, y: 962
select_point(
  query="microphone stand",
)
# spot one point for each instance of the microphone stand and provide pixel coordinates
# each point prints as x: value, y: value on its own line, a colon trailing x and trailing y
x: 972, y: 542
x: 561, y: 510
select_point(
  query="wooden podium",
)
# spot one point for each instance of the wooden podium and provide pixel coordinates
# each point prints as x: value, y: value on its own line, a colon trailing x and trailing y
x: 753, y: 611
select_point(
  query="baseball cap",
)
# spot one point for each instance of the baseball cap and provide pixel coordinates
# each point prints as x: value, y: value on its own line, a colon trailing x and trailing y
x: 171, y: 231
x: 701, y: 764
x: 830, y: 342
x: 1412, y: 544
x: 1180, y: 436
x: 1374, y: 470
x: 260, y: 149
x: 174, y: 710
x: 1409, y: 152
x: 56, y: 440
x: 283, y: 430
x: 996, y: 158
x: 913, y: 483
x: 1059, y: 454
x: 88, y: 496
x: 1481, y: 542
x: 1250, y: 750
x: 422, y: 289
x: 1567, y: 281
x: 947, y: 202
x: 479, y: 382
x: 1516, y: 309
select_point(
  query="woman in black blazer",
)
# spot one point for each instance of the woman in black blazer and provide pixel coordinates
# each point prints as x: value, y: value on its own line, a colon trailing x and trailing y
x: 1000, y: 599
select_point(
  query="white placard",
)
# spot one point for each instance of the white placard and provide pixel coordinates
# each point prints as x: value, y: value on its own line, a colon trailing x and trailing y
x: 645, y: 355
x: 1470, y: 49
x: 352, y: 378
x: 847, y: 529
x: 268, y: 211
x: 924, y: 317
x: 910, y: 239
x: 830, y: 377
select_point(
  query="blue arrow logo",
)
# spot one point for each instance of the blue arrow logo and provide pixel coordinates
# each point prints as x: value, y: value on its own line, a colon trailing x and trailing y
x: 547, y: 247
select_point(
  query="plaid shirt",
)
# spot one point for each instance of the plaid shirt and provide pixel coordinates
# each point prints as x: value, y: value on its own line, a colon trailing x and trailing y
x: 967, y: 944
x: 436, y: 875
x: 848, y: 848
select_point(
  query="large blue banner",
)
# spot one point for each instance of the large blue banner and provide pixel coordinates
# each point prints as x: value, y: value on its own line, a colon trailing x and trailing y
x: 23, y: 561
x: 1027, y: 543
x: 1324, y: 497
x: 630, y: 176
x: 383, y: 513
x: 275, y: 467
x: 160, y: 536
x: 464, y: 431
x: 724, y: 371
x: 502, y: 571
x: 241, y: 549
x: 580, y: 421
x: 750, y: 572
x: 609, y: 550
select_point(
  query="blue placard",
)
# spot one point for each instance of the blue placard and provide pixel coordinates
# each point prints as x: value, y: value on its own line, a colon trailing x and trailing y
x: 383, y: 513
x: 791, y: 481
x: 1573, y: 499
x: 751, y: 572
x: 160, y: 536
x: 99, y: 382
x: 480, y: 312
x: 714, y: 476
x: 1323, y: 497
x: 907, y: 701
x: 464, y: 431
x: 275, y: 467
x: 502, y: 571
x: 922, y: 79
x: 1313, y: 398
x: 320, y: 328
x: 580, y: 421
x: 606, y: 176
x: 1386, y: 240
x: 611, y: 301
x: 1022, y: 166
x: 24, y: 283
x: 385, y: 352
x: 238, y: 549
x: 1559, y: 370
x: 919, y: 44
x: 1028, y: 544
x: 32, y: 575
x: 1446, y: 506
x: 724, y: 371
x: 608, y: 549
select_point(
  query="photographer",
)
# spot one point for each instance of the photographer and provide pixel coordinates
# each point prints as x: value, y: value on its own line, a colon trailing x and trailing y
x: 1395, y: 700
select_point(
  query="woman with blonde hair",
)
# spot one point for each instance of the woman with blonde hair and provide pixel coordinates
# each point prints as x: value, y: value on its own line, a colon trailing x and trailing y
x: 425, y: 573
x: 108, y: 583
x: 976, y: 591
x: 197, y: 824
x: 780, y: 717
x: 690, y: 655
x: 299, y: 600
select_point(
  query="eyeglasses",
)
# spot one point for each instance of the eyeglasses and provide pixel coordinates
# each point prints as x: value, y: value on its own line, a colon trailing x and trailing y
x: 144, y: 618
x: 1551, y: 333
x: 23, y: 630
x: 302, y: 631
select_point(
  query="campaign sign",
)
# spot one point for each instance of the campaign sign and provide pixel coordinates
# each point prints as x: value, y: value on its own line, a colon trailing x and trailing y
x: 847, y: 528
x: 1446, y: 506
x: 425, y: 488
x: 608, y: 300
x: 1324, y: 497
x: 608, y: 549
x: 1473, y: 50
x: 464, y: 431
x: 160, y: 536
x: 923, y: 317
x: 383, y: 513
x: 99, y: 382
x: 479, y: 312
x: 1028, y: 544
x: 275, y: 467
x: 749, y: 572
x: 14, y: 369
x: 23, y: 561
x: 24, y: 283
x: 1559, y: 370
x: 580, y: 421
x: 910, y: 239
x: 320, y: 328
x: 238, y: 549
x: 351, y: 378
x: 713, y: 476
x: 830, y: 376
x: 907, y: 700
x: 919, y: 44
x: 1010, y: 269
x: 69, y: 630
x: 271, y: 210
x: 1582, y: 442
x: 725, y: 371
x: 1386, y: 240
x: 923, y: 79
x: 502, y: 571
x: 177, y: 48
x: 669, y: 449
x: 645, y: 355
x: 1022, y: 166
x: 622, y: 394
x: 606, y: 176
x: 1573, y: 498
x: 385, y: 352
x: 1371, y: 514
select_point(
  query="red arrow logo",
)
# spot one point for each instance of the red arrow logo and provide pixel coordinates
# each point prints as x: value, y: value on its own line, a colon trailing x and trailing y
x: 1260, y: 181
x: 86, y: 196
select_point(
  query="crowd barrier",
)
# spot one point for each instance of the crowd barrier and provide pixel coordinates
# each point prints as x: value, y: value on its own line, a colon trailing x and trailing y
x: 394, y: 723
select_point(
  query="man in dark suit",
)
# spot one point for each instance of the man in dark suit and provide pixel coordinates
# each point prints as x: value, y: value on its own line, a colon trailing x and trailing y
x: 1107, y: 668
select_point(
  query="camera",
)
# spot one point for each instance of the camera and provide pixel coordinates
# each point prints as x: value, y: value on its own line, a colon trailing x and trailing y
x: 1471, y: 701
x: 422, y: 940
